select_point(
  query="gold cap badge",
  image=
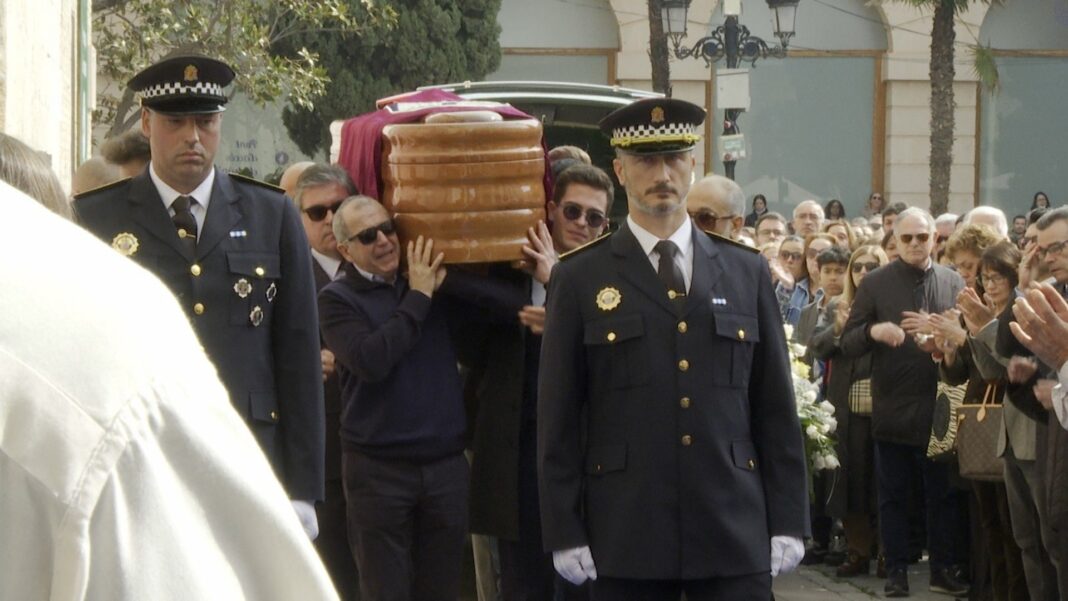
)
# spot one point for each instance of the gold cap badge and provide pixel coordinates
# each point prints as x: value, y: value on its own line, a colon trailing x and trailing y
x: 126, y: 243
x: 191, y: 73
x: 608, y: 299
x: 657, y: 115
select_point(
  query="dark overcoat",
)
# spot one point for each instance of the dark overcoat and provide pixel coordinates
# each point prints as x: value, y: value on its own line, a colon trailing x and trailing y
x: 249, y: 293
x: 668, y: 438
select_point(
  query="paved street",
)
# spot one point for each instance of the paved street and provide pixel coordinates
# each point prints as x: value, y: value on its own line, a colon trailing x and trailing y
x: 817, y: 583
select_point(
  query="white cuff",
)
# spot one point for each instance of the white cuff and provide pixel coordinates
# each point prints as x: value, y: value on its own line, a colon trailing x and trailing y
x: 1060, y: 396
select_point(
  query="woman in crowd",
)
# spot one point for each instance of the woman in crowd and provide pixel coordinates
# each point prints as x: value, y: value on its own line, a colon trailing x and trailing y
x: 1039, y: 201
x: 889, y: 245
x: 760, y: 206
x: 875, y: 205
x: 834, y: 210
x: 790, y: 272
x: 842, y: 232
x: 852, y: 498
x: 26, y: 169
x: 965, y: 247
x: 967, y: 358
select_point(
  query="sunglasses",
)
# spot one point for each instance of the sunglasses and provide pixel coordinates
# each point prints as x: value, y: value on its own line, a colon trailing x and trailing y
x: 368, y: 236
x: 594, y: 218
x: 707, y: 220
x: 866, y: 266
x: 786, y: 255
x: 921, y: 238
x: 319, y: 212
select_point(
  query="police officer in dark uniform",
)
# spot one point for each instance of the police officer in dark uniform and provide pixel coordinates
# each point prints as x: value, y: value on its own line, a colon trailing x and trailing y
x: 670, y: 453
x: 234, y: 253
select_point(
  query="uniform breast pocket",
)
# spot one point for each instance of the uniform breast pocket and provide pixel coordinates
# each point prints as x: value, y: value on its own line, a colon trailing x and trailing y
x: 616, y: 349
x: 255, y: 279
x: 734, y: 339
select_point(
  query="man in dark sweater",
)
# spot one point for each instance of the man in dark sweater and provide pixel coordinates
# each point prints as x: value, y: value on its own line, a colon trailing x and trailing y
x: 888, y: 319
x: 405, y: 476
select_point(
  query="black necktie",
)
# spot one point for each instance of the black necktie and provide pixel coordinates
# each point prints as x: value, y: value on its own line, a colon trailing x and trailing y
x: 185, y: 222
x: 669, y: 271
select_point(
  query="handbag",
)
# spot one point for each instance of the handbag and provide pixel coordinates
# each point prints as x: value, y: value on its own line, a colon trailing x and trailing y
x: 977, y: 439
x: 860, y: 397
x: 948, y: 399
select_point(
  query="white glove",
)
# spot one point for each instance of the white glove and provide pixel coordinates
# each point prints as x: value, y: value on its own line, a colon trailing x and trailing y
x: 575, y: 565
x: 306, y: 514
x: 786, y: 553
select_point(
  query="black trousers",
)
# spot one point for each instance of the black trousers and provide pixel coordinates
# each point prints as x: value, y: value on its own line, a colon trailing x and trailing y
x: 527, y: 572
x: 407, y: 524
x: 750, y: 587
x: 333, y: 542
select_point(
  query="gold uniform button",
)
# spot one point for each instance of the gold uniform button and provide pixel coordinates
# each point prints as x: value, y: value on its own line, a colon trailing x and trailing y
x: 684, y: 365
x: 194, y: 269
x: 687, y: 440
x: 611, y: 337
x: 752, y: 464
x: 198, y: 308
x: 683, y: 327
x: 741, y: 334
x: 274, y: 415
x: 597, y: 467
x: 684, y: 402
x: 259, y: 271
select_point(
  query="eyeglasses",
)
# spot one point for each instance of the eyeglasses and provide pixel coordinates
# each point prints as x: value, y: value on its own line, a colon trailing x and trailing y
x: 318, y: 212
x: 993, y: 278
x: 707, y: 220
x: 594, y: 218
x: 921, y: 238
x: 786, y: 255
x: 368, y: 236
x: 866, y: 266
x: 1054, y: 248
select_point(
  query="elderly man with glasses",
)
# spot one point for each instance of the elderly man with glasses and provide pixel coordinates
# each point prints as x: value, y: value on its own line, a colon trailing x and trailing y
x: 889, y: 319
x: 402, y: 433
x: 717, y: 205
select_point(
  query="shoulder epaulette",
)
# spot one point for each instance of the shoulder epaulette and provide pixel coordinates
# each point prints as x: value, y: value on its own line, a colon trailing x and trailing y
x: 590, y: 244
x: 106, y: 186
x: 256, y: 182
x: 719, y: 238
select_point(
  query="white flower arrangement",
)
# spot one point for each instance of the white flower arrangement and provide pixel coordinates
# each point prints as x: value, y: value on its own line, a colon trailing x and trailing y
x: 817, y: 417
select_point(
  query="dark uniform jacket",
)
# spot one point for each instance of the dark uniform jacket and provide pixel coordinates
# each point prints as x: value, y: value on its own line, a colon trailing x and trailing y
x: 250, y: 296
x: 904, y: 378
x: 668, y: 441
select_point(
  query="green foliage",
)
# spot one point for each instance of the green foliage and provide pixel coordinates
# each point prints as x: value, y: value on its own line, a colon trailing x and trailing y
x: 432, y: 41
x: 133, y: 34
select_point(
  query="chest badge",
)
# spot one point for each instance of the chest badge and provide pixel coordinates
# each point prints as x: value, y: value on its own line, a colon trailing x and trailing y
x: 256, y: 316
x: 272, y: 291
x: 126, y: 243
x: 608, y: 299
x: 242, y: 288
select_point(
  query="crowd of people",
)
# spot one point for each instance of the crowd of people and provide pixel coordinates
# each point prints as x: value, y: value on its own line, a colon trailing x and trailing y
x: 560, y: 411
x: 893, y: 308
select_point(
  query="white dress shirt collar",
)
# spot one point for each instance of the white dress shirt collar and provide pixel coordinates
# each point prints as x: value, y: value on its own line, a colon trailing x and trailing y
x: 201, y: 193
x: 682, y: 237
x: 330, y: 265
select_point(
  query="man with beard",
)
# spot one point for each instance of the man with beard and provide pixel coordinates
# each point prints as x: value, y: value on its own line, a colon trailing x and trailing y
x: 669, y: 451
x: 233, y: 252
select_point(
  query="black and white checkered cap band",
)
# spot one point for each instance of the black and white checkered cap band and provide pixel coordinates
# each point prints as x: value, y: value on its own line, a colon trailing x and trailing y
x: 642, y: 133
x: 177, y: 88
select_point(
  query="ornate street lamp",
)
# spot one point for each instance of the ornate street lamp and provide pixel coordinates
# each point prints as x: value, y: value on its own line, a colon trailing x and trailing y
x: 731, y: 41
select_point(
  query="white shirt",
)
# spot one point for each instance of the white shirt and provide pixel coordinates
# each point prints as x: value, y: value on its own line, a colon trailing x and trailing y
x: 1060, y: 396
x: 124, y: 471
x: 202, y: 194
x: 330, y: 265
x: 682, y: 237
